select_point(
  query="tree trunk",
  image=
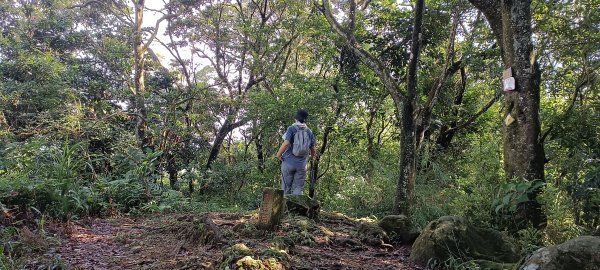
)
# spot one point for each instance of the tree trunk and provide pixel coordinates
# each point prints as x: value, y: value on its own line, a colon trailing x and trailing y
x: 260, y: 153
x: 327, y: 131
x: 218, y: 143
x: 404, y: 104
x: 171, y: 170
x: 406, y: 181
x: 371, y: 153
x: 523, y: 149
x: 523, y: 152
x: 139, y: 102
x: 225, y: 129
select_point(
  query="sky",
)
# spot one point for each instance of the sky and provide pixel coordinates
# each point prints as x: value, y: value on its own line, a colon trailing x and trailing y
x: 150, y: 19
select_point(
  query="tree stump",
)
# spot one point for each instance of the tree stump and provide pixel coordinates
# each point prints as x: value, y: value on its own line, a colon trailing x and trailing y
x: 271, y: 209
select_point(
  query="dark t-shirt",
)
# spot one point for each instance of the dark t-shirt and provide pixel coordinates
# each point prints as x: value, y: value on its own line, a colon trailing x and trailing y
x: 288, y: 156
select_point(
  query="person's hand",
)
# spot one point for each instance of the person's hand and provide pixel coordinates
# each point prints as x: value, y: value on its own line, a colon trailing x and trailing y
x: 279, y: 156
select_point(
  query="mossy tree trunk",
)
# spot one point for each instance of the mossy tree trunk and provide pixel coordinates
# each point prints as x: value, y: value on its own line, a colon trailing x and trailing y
x: 510, y: 21
x: 408, y: 142
x: 140, y: 89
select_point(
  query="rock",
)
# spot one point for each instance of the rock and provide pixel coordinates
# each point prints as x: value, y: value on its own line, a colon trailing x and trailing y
x: 372, y: 234
x: 395, y: 223
x: 303, y: 205
x: 452, y: 235
x: 271, y: 209
x: 579, y: 253
x: 302, y: 238
x: 398, y: 228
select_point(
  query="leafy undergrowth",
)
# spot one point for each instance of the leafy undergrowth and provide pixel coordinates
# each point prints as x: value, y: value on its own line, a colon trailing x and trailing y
x: 215, y: 241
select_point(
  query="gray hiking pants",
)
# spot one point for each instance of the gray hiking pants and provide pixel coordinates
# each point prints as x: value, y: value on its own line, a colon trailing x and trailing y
x: 292, y: 178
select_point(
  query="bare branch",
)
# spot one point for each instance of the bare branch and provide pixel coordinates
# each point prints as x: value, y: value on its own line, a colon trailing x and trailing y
x: 156, y: 27
x: 474, y: 117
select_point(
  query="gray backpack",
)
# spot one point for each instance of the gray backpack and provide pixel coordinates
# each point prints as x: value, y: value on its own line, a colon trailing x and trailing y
x: 301, y: 142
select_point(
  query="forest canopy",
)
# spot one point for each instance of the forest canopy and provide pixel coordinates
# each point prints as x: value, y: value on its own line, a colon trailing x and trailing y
x: 135, y: 107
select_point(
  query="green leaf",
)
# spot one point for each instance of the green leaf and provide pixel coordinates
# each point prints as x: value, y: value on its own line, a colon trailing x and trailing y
x: 536, y: 185
x: 523, y: 198
x: 506, y: 199
x: 522, y: 187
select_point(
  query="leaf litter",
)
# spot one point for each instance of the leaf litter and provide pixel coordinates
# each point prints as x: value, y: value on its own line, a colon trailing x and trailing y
x: 221, y: 241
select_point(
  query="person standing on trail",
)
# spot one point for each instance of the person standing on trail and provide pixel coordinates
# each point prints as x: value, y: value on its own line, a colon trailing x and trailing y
x: 298, y: 143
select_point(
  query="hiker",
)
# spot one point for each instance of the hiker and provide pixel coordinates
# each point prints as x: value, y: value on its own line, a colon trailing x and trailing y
x: 298, y: 144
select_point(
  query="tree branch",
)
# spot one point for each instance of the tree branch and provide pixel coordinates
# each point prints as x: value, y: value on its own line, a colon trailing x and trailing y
x: 371, y: 61
x: 491, y: 11
x: 448, y: 70
x: 474, y: 117
x: 156, y: 26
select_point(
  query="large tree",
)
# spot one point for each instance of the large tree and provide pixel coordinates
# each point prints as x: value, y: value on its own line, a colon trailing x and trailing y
x: 404, y: 101
x: 523, y: 149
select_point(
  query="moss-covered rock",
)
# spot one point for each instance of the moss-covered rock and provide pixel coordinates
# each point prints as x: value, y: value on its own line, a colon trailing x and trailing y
x: 579, y: 253
x: 300, y: 230
x: 395, y: 223
x: 303, y: 205
x: 234, y: 253
x: 372, y: 234
x: 398, y: 228
x: 452, y: 235
x: 298, y: 223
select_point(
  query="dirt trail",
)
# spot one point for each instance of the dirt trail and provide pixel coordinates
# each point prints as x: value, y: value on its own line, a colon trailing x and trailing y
x: 172, y: 242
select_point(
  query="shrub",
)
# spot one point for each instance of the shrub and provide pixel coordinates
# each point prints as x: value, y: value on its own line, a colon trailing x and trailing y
x: 557, y: 206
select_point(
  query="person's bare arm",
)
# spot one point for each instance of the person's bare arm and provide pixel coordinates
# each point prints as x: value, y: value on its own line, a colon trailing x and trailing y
x: 282, y: 148
x: 313, y: 152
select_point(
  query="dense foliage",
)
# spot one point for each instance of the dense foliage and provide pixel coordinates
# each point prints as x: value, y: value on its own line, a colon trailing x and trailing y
x: 230, y: 76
